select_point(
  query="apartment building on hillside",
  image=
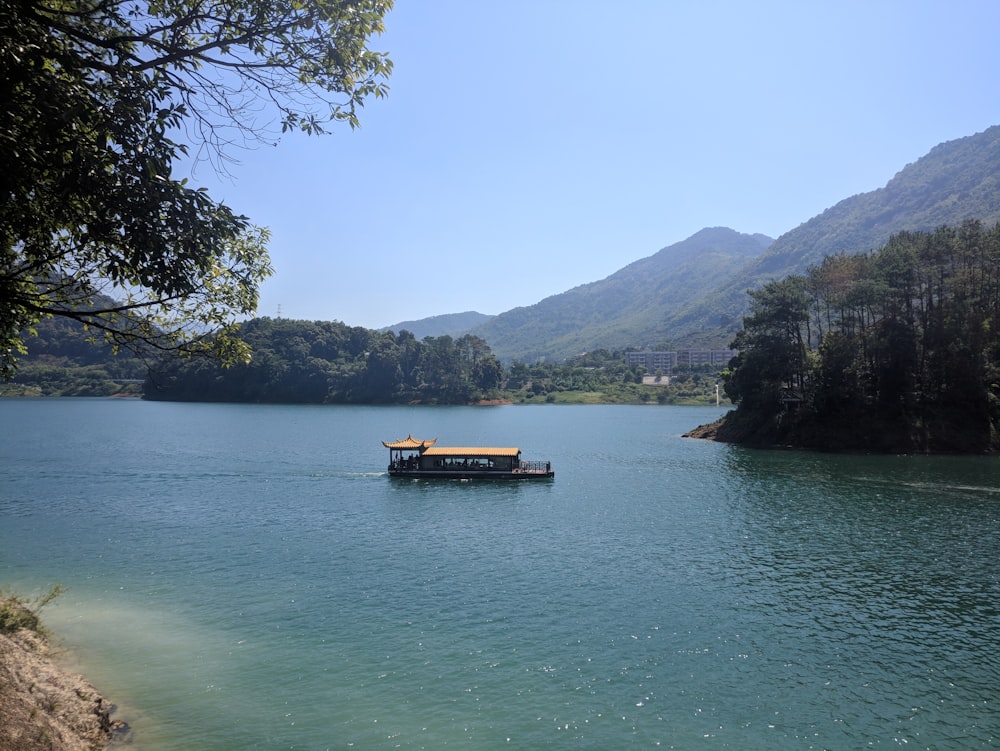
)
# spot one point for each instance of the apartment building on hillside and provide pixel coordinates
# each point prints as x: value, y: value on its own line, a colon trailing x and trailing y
x: 665, y: 360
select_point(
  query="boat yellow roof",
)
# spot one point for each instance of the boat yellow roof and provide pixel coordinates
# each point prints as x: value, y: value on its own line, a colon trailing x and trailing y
x: 410, y: 443
x: 471, y: 451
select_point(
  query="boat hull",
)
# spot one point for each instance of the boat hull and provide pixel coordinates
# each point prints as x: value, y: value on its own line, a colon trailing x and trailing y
x: 445, y: 474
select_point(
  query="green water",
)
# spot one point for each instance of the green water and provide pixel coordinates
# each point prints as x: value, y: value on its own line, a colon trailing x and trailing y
x: 246, y: 577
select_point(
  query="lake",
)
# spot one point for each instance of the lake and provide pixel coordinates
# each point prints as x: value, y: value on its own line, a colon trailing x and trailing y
x: 248, y: 577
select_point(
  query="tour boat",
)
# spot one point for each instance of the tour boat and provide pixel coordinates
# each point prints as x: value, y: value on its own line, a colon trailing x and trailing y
x: 411, y: 457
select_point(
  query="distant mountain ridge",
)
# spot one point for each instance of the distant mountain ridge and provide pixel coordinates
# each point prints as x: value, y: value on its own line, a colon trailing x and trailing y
x: 449, y: 324
x: 626, y: 308
x: 693, y: 293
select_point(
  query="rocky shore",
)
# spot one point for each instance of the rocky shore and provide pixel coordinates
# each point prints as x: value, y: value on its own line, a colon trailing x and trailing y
x: 44, y: 707
x: 708, y: 432
x: 721, y: 430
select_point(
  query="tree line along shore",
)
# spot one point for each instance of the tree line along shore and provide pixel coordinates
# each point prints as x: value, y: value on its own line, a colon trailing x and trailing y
x: 329, y: 362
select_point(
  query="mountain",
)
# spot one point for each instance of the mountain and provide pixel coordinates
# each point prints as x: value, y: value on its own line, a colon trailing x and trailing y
x: 954, y: 181
x: 693, y: 294
x: 627, y: 308
x: 451, y: 324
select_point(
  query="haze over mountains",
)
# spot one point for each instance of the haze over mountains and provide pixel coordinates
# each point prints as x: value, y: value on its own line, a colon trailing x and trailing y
x: 450, y: 323
x: 693, y: 293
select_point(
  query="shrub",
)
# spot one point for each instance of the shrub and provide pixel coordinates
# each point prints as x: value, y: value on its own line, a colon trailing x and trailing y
x: 17, y: 612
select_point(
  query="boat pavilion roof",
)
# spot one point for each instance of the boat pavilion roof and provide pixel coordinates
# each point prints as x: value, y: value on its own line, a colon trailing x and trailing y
x: 409, y: 444
x: 471, y: 451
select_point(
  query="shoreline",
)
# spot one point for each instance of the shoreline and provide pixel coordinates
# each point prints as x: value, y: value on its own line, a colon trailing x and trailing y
x: 46, y: 706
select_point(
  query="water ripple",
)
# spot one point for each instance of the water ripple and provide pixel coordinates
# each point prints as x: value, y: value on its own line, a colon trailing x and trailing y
x: 252, y: 579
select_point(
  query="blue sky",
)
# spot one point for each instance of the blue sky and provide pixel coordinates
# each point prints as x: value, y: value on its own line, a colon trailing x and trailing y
x: 529, y: 147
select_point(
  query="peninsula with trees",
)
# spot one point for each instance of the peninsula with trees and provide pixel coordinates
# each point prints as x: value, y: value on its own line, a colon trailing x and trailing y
x: 893, y: 351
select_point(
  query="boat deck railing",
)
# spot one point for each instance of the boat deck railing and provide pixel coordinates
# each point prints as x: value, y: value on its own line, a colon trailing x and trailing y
x: 395, y: 465
x: 523, y: 467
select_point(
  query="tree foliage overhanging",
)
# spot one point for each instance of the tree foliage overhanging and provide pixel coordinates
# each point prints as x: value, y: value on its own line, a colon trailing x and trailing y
x: 898, y: 350
x: 95, y: 94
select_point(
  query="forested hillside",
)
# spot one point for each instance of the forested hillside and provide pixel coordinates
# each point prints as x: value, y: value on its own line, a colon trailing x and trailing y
x: 955, y: 181
x: 628, y: 308
x: 66, y: 359
x: 329, y: 362
x: 306, y: 362
x: 895, y: 351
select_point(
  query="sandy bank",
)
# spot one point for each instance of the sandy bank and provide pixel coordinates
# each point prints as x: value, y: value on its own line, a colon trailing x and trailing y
x: 46, y: 708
